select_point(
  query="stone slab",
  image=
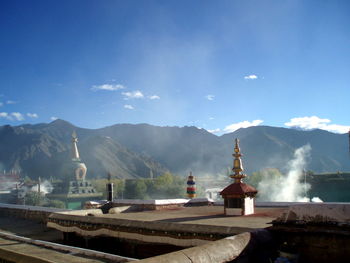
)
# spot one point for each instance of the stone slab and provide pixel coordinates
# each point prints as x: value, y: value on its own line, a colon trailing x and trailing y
x: 15, y: 251
x: 317, y: 213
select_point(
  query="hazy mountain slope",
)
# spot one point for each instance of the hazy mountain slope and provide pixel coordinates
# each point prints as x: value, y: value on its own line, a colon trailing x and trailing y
x: 36, y: 154
x: 179, y: 149
x: 265, y: 146
x: 131, y: 151
x: 59, y: 129
x: 45, y: 149
x: 190, y: 148
x: 103, y: 154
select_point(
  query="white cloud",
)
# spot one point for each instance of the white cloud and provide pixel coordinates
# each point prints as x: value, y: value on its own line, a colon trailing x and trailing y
x: 17, y: 116
x: 53, y: 118
x: 211, y: 118
x: 1, y: 104
x: 133, y: 95
x: 251, y: 77
x: 109, y: 87
x: 32, y: 115
x: 214, y: 130
x: 314, y: 122
x: 4, y: 115
x: 11, y: 102
x: 244, y: 124
x: 129, y: 107
x: 210, y: 97
x: 12, y: 116
x: 154, y: 97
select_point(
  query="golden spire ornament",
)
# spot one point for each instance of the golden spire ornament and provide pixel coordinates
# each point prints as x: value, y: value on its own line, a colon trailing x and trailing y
x: 237, y: 164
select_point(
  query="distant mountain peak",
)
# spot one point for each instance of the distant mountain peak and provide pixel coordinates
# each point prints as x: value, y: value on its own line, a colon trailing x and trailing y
x: 123, y: 148
x: 60, y: 122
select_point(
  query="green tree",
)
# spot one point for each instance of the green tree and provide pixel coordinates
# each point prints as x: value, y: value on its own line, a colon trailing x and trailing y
x: 164, y: 180
x: 168, y: 186
x: 101, y: 186
x: 164, y: 186
x: 34, y: 198
x: 141, y: 189
x: 135, y: 189
x: 119, y: 186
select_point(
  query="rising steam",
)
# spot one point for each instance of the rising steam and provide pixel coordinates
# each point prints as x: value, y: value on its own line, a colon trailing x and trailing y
x: 45, y: 187
x: 289, y: 188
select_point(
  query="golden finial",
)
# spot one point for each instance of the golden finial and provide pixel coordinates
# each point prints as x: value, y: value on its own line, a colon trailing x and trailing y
x: 237, y: 164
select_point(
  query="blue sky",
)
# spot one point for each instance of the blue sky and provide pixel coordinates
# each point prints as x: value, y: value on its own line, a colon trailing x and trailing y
x: 218, y: 65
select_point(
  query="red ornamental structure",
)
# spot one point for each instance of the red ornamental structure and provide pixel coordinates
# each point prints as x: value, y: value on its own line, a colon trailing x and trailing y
x: 238, y: 194
x: 191, y: 186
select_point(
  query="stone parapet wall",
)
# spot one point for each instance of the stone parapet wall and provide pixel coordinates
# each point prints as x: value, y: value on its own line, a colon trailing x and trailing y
x: 334, y: 213
x: 315, y: 232
x: 19, y: 249
x: 147, y: 205
x: 36, y: 213
x: 182, y: 235
x: 256, y: 246
x: 224, y: 250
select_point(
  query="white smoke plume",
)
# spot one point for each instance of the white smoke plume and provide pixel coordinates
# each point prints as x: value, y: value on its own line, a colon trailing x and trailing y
x: 316, y: 200
x: 45, y: 187
x: 289, y: 188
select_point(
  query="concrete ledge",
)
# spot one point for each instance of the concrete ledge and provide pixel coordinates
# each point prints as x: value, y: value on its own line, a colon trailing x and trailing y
x: 150, y: 202
x: 317, y: 213
x: 32, y: 208
x: 120, y: 209
x: 108, y: 221
x: 183, y: 235
x: 223, y: 250
x: 42, y: 251
x: 12, y: 251
x: 36, y: 213
x: 85, y: 212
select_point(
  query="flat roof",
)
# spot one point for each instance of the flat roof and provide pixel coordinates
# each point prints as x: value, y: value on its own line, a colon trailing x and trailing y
x: 204, y: 215
x: 179, y: 218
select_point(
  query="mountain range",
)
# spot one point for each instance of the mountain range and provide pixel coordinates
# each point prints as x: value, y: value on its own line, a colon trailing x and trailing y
x: 142, y: 150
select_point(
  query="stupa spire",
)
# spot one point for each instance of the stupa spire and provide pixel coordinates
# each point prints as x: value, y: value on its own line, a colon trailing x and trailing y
x: 238, y: 194
x: 237, y: 164
x: 75, y: 152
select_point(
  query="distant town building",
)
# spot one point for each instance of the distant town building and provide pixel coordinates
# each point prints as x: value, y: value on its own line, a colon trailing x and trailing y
x: 9, y: 180
x: 238, y: 196
x: 9, y: 183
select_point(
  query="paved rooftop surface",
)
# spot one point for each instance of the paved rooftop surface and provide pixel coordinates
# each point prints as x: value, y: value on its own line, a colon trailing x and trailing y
x: 211, y: 216
x: 205, y: 215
